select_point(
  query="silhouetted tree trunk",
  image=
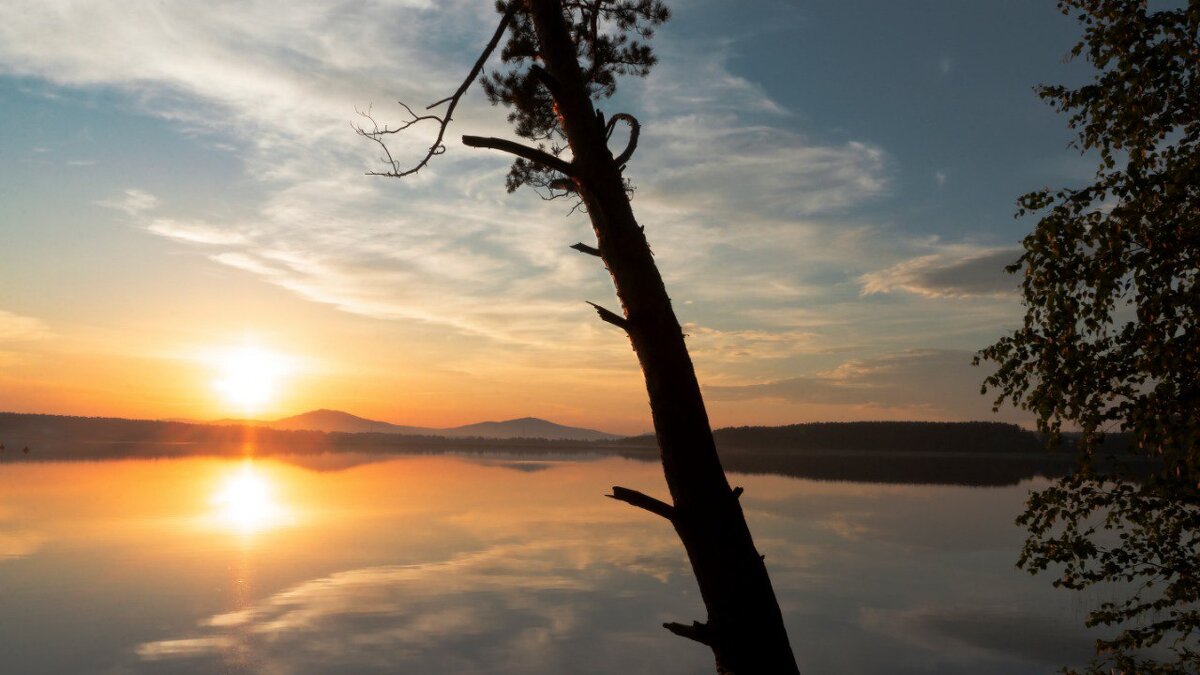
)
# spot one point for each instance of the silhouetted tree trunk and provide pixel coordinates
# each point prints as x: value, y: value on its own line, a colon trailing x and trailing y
x: 744, y: 627
x: 552, y: 101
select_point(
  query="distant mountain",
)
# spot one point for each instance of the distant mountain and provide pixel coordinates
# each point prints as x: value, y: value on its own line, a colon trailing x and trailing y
x: 336, y: 420
x: 525, y: 427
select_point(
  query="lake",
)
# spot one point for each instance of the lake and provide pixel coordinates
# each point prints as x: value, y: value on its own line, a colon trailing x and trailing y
x: 493, y: 564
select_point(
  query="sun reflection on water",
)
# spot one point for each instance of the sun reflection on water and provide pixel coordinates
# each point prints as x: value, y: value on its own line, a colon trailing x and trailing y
x: 245, y: 501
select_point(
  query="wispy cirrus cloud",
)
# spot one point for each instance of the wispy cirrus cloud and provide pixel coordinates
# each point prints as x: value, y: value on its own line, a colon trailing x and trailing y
x: 715, y: 163
x: 753, y: 213
x: 920, y: 383
x: 729, y: 181
x: 132, y: 202
x: 714, y: 345
x: 725, y: 179
x: 196, y: 233
x: 17, y: 331
x: 954, y: 272
x: 15, y: 327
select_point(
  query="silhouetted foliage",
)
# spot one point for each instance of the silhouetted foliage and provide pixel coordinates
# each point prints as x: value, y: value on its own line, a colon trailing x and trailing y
x: 609, y: 38
x: 1111, y: 338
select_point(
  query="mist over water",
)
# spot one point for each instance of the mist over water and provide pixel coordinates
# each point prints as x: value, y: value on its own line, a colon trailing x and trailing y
x: 440, y: 564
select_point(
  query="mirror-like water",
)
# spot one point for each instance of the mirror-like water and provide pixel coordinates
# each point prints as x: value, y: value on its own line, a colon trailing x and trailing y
x: 438, y: 564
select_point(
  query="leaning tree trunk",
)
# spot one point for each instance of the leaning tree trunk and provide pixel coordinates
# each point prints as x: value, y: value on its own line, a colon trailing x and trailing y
x: 745, y: 627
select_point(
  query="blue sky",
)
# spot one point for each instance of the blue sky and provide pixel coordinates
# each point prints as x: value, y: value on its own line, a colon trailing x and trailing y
x: 829, y: 188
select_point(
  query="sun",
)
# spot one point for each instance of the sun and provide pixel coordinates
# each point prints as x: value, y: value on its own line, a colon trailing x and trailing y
x: 249, y: 377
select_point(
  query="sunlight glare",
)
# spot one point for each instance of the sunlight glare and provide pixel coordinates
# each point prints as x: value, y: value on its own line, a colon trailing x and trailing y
x: 245, y: 502
x: 249, y: 377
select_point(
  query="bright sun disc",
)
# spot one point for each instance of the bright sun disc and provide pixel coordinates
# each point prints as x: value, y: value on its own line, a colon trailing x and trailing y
x: 246, y: 502
x: 249, y: 377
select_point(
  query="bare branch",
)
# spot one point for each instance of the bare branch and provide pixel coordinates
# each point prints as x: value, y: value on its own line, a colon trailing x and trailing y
x: 611, y: 317
x: 524, y: 151
x: 643, y: 501
x: 377, y: 133
x: 584, y: 248
x: 697, y: 631
x: 635, y: 128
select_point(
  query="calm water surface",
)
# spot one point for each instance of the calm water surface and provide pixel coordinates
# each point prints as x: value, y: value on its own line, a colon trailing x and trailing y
x: 442, y: 564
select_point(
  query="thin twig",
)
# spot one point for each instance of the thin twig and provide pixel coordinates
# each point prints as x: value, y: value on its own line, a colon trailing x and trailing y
x: 377, y: 134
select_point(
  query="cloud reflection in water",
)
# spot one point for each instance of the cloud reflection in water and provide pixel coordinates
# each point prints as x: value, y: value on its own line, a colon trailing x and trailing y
x: 507, y: 609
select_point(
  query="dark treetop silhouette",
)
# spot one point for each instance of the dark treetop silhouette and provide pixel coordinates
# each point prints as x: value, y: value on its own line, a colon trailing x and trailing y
x: 1111, y: 338
x: 559, y: 60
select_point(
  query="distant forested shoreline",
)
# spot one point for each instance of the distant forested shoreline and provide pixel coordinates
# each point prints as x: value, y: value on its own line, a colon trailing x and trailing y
x: 965, y: 453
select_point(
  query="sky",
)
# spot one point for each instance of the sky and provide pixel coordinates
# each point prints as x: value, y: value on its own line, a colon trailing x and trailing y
x: 186, y: 230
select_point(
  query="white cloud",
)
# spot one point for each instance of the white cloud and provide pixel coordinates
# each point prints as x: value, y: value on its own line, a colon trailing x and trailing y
x: 713, y: 345
x: 17, y: 328
x: 703, y: 163
x: 132, y: 202
x: 714, y: 140
x: 956, y: 271
x: 196, y: 233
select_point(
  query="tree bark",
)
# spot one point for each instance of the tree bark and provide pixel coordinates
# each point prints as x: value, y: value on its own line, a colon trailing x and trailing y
x: 745, y: 627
